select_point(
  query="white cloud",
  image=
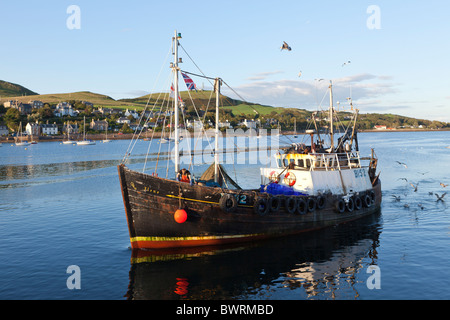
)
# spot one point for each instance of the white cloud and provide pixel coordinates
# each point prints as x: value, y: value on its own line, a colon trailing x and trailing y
x: 264, y: 75
x: 369, y: 89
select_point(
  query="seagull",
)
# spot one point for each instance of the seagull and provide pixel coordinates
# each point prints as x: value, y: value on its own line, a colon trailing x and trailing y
x: 285, y: 46
x: 299, y: 74
x: 423, y: 173
x: 402, y: 163
x: 420, y: 206
x: 440, y: 198
x: 444, y: 185
x: 403, y: 179
x: 406, y: 205
x: 319, y: 79
x: 397, y: 198
x: 346, y: 63
x: 414, y: 186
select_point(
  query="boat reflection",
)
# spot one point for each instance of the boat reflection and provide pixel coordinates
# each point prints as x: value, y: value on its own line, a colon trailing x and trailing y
x: 316, y: 263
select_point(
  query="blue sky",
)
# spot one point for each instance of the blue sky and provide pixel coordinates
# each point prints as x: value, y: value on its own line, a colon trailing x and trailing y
x: 121, y: 47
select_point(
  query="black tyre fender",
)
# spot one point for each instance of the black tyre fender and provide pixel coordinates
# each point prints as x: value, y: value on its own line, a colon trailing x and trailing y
x: 302, y: 206
x: 228, y: 203
x: 339, y: 206
x: 261, y: 206
x: 350, y: 205
x: 290, y: 204
x: 274, y: 204
x: 320, y: 202
x: 366, y: 201
x: 358, y: 203
x: 311, y: 204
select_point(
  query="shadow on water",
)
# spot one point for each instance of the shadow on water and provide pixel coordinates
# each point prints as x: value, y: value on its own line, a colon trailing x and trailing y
x: 309, y: 263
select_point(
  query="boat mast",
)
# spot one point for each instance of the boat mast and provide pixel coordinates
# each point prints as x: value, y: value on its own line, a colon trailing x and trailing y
x: 216, y: 147
x: 175, y: 70
x: 331, y: 117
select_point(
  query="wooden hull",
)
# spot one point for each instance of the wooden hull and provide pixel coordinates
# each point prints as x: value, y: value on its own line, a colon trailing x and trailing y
x: 150, y: 203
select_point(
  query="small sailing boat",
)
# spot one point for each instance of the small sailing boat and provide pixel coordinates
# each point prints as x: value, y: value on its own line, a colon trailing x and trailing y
x: 68, y: 129
x: 85, y: 142
x: 19, y: 139
x: 313, y: 186
x: 106, y: 140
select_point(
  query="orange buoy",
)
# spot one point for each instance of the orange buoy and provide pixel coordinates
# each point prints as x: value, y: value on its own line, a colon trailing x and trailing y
x: 180, y: 216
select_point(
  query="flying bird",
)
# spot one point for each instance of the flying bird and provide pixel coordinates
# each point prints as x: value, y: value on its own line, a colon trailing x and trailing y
x: 402, y: 163
x: 414, y: 186
x: 444, y: 185
x: 397, y: 198
x: 440, y: 198
x: 285, y: 46
x: 423, y: 173
x: 299, y: 74
x: 403, y: 179
x: 345, y: 63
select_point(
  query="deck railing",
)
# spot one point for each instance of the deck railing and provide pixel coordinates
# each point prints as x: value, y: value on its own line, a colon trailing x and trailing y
x: 335, y: 161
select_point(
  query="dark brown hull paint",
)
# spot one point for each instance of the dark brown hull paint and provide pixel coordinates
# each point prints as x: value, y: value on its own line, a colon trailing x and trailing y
x: 150, y: 203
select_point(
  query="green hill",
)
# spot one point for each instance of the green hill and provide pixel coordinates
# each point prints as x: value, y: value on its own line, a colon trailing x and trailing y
x: 12, y: 90
x: 234, y: 110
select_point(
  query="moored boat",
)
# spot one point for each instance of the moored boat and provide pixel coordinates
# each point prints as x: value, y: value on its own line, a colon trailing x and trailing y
x: 313, y: 186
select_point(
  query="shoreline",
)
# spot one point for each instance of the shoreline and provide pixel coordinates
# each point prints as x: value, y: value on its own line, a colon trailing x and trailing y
x: 128, y: 136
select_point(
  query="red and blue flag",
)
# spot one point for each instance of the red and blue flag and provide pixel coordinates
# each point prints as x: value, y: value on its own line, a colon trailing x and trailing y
x: 189, y: 83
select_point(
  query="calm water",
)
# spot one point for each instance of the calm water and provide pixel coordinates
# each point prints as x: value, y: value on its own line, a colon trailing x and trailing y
x: 61, y: 205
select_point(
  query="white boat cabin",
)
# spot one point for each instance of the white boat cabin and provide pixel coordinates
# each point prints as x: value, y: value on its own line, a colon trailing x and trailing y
x: 319, y: 173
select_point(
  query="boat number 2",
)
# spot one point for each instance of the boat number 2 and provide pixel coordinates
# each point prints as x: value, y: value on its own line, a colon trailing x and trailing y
x: 360, y: 173
x: 241, y: 198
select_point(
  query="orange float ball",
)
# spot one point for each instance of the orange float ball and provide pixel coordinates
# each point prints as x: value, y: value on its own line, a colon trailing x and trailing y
x: 180, y: 216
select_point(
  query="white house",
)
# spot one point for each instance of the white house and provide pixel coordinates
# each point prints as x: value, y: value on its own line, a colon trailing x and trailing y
x: 248, y: 123
x: 65, y: 109
x: 49, y: 129
x: 33, y: 128
x: 195, y: 124
x: 134, y: 113
x: 225, y: 124
x: 123, y: 120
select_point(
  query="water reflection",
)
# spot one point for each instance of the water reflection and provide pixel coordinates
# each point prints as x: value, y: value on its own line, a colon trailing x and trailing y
x: 315, y: 264
x: 17, y: 176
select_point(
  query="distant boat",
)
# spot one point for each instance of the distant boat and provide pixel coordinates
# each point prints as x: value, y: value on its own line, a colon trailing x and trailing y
x: 68, y: 141
x: 166, y: 140
x: 106, y: 137
x: 85, y: 142
x: 21, y: 143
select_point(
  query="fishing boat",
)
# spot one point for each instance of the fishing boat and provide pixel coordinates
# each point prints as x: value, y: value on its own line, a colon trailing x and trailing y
x: 314, y: 185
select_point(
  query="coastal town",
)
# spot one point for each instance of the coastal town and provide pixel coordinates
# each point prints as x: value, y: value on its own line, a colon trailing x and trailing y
x: 37, y: 120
